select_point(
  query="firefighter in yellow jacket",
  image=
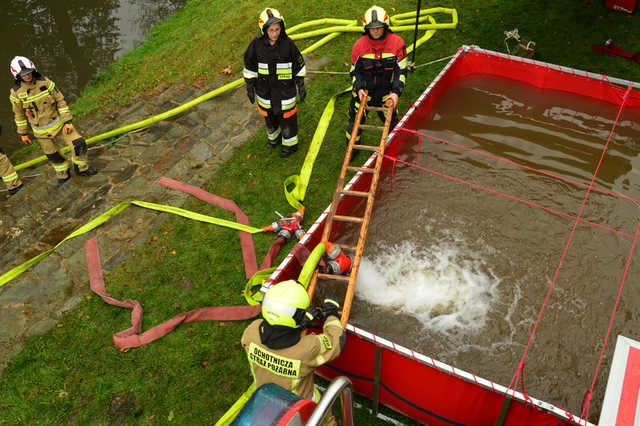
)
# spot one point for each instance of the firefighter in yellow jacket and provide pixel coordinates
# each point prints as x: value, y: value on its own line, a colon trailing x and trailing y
x: 279, y: 353
x: 9, y: 175
x: 37, y: 101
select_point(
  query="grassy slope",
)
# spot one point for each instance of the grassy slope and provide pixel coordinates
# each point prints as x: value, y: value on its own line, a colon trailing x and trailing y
x: 74, y: 373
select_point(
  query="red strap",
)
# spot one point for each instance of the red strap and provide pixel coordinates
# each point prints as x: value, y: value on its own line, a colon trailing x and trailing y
x: 130, y: 338
x: 246, y: 241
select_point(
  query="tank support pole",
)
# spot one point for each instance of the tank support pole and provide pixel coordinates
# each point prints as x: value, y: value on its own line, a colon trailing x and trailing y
x: 415, y: 36
x: 376, y: 379
x: 504, y: 410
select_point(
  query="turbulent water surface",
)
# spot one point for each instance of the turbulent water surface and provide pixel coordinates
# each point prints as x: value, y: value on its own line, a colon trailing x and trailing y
x: 460, y: 273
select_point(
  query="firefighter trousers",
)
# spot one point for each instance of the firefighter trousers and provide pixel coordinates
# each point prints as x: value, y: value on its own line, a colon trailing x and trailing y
x: 281, y: 127
x: 374, y: 101
x: 58, y: 161
x: 9, y: 175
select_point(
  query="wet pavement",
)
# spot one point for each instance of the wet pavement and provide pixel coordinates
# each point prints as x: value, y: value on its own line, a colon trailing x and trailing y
x: 189, y: 147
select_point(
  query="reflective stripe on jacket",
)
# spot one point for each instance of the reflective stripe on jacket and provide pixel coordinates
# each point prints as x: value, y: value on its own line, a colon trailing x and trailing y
x: 40, y: 104
x: 379, y: 66
x: 292, y: 368
x: 274, y: 70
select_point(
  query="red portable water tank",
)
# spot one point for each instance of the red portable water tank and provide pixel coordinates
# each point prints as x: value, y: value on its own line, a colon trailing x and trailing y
x: 627, y: 6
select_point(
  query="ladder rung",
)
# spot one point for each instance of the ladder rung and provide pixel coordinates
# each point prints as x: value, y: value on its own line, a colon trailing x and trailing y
x: 366, y: 126
x: 366, y: 147
x: 361, y: 169
x: 356, y: 193
x: 375, y: 108
x: 351, y: 248
x: 352, y: 219
x: 335, y: 277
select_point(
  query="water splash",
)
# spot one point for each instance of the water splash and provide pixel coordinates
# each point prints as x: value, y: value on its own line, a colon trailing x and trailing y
x: 447, y: 286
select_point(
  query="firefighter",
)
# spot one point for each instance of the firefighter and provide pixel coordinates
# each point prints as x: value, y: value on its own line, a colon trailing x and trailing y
x: 9, y: 175
x: 279, y: 353
x: 36, y: 100
x: 378, y: 65
x: 273, y: 68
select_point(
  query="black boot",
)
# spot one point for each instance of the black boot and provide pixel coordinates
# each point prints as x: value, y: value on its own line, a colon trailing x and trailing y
x: 16, y: 189
x: 63, y: 181
x: 89, y: 172
x: 288, y: 150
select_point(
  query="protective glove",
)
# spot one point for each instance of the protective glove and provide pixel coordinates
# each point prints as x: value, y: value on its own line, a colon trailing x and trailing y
x: 310, y: 314
x: 26, y: 139
x: 68, y: 128
x: 330, y: 306
x: 251, y: 91
x: 301, y: 89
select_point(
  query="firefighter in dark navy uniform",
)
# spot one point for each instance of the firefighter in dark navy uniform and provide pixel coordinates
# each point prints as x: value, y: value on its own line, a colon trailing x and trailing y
x: 273, y: 68
x: 279, y: 353
x: 9, y: 175
x: 38, y: 102
x: 378, y: 65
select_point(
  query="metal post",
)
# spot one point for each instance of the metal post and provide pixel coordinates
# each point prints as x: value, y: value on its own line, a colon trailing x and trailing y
x: 376, y: 379
x: 415, y: 36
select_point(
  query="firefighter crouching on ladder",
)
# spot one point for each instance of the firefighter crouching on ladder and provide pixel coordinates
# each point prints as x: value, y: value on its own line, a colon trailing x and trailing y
x: 273, y: 67
x: 279, y: 353
x: 36, y: 99
x: 9, y: 175
x: 378, y: 65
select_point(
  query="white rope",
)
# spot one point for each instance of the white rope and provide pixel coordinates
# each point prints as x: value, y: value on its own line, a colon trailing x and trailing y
x: 434, y: 61
x: 511, y: 34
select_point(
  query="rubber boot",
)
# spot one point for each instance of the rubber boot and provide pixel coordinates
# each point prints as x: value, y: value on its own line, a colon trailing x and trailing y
x: 16, y: 189
x: 89, y: 172
x: 63, y: 181
x: 288, y: 150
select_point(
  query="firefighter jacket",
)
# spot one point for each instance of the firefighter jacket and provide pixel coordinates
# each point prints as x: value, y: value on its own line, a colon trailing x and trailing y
x: 41, y: 104
x: 292, y: 367
x: 379, y: 66
x: 273, y: 71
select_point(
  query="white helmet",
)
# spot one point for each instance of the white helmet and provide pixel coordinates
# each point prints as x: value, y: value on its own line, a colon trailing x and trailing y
x: 21, y: 66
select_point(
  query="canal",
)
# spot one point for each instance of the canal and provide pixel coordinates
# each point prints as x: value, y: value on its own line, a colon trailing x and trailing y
x: 69, y: 41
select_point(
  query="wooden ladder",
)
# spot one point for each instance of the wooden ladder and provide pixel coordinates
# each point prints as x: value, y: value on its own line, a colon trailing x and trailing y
x: 370, y: 195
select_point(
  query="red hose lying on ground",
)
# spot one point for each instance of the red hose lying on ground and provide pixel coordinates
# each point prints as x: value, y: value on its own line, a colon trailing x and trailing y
x: 131, y: 337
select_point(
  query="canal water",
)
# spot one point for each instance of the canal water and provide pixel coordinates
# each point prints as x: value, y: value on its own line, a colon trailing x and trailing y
x: 70, y: 40
x: 460, y: 274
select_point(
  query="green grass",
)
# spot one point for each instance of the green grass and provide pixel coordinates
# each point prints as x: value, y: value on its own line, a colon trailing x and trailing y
x: 74, y: 373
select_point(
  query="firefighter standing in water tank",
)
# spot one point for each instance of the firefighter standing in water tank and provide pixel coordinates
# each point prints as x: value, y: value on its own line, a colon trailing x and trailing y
x: 37, y: 101
x: 273, y: 67
x: 378, y: 65
x: 279, y: 353
x: 9, y: 175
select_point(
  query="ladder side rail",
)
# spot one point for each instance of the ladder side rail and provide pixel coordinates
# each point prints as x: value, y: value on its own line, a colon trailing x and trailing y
x: 346, y: 307
x: 326, y: 233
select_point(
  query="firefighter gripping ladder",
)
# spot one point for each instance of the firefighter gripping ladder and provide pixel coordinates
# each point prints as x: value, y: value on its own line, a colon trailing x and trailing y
x: 363, y: 221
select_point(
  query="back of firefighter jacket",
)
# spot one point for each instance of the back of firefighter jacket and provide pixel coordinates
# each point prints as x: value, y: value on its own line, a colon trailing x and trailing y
x: 292, y: 368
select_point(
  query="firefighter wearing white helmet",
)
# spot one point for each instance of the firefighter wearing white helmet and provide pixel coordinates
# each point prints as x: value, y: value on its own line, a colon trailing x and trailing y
x: 39, y: 104
x: 8, y: 174
x: 378, y: 65
x: 273, y: 68
x: 278, y: 352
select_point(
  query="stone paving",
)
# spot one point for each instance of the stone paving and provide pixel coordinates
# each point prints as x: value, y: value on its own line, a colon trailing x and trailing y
x: 189, y: 147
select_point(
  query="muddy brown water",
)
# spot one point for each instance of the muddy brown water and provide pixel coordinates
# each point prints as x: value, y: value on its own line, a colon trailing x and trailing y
x: 460, y: 274
x: 69, y: 41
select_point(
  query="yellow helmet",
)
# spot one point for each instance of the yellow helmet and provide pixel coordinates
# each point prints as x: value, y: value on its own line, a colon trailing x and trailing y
x: 269, y: 16
x: 285, y: 304
x: 375, y: 17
